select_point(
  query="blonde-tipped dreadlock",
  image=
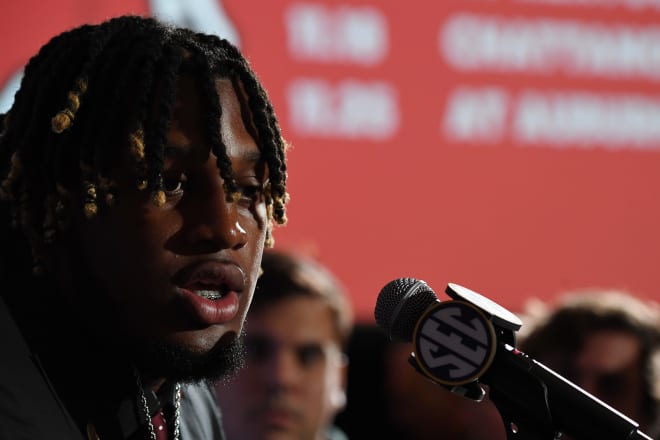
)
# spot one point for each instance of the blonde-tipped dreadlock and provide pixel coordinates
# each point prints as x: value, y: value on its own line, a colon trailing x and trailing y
x: 64, y: 118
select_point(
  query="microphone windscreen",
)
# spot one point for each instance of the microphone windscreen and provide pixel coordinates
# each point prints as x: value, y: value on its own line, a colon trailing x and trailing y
x: 400, y: 304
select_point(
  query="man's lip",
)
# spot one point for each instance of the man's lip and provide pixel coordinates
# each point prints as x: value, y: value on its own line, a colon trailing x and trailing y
x: 210, y: 312
x: 279, y: 419
x: 276, y: 406
x: 277, y: 416
x: 222, y: 275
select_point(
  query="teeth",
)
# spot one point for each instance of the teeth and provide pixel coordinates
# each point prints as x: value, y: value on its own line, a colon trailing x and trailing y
x: 209, y: 294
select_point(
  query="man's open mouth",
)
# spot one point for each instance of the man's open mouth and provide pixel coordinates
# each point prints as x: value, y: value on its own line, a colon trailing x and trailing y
x: 209, y: 294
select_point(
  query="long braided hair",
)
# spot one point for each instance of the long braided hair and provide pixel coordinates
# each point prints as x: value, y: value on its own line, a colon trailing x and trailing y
x: 93, y: 90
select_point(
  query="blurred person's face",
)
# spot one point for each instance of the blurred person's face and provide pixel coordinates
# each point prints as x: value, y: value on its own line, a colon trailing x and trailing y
x: 293, y: 382
x: 609, y: 367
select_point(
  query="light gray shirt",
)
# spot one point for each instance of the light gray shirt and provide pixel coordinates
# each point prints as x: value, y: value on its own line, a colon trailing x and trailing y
x: 200, y: 415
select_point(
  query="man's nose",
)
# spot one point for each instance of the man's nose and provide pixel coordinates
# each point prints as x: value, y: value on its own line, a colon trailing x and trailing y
x: 216, y: 223
x: 283, y: 369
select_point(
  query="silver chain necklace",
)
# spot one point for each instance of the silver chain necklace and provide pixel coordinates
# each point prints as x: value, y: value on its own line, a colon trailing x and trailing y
x: 142, y: 400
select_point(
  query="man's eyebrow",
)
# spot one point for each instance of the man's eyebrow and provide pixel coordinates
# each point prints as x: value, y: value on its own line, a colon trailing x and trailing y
x: 247, y: 155
x: 177, y: 150
x: 250, y: 155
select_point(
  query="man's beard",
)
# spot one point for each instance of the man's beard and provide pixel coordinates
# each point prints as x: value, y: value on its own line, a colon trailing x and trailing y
x: 182, y: 365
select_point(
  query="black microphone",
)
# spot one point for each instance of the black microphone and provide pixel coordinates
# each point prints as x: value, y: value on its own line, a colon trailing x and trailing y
x: 470, y: 340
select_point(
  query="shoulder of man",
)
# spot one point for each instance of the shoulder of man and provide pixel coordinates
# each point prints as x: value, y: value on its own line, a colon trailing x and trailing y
x: 29, y: 407
x: 334, y: 433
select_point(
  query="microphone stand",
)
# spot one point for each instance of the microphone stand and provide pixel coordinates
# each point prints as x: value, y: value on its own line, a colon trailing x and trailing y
x: 535, y: 403
x: 539, y: 404
x: 533, y: 410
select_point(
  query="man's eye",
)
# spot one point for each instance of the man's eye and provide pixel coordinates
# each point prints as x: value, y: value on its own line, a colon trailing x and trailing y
x: 611, y: 385
x: 310, y: 355
x: 250, y: 193
x: 174, y: 185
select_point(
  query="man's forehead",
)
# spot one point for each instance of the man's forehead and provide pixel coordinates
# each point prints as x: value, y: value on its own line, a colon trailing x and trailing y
x: 291, y: 342
x: 609, y: 351
x: 289, y: 338
x: 178, y: 149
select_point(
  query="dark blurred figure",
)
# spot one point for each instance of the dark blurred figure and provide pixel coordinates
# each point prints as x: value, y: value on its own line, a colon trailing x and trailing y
x: 426, y: 411
x: 388, y: 399
x: 606, y: 342
x: 365, y: 415
x: 294, y: 380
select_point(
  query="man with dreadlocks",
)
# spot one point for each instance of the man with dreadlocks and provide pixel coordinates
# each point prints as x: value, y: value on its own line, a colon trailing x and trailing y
x: 142, y: 170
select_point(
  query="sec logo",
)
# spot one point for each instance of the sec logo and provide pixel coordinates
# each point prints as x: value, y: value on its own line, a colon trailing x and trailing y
x: 454, y: 343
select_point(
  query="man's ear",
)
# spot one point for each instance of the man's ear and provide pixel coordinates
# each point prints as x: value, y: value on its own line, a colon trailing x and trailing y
x: 338, y: 394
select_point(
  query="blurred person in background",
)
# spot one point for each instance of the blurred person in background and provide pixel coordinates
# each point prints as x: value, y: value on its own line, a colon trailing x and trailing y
x: 606, y: 342
x: 294, y: 380
x: 423, y: 410
x: 390, y: 400
x: 365, y: 414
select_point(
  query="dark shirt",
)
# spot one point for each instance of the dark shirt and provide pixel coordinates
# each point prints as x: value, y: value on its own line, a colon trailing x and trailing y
x: 57, y: 391
x: 29, y: 407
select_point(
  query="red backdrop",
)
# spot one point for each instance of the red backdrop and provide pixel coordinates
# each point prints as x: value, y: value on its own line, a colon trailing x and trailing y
x: 509, y: 146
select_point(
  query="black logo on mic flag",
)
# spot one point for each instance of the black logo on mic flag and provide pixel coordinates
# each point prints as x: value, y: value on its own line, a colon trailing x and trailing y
x: 454, y: 343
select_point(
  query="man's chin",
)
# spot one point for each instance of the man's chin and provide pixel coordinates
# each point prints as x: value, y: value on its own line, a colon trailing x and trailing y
x: 181, y: 364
